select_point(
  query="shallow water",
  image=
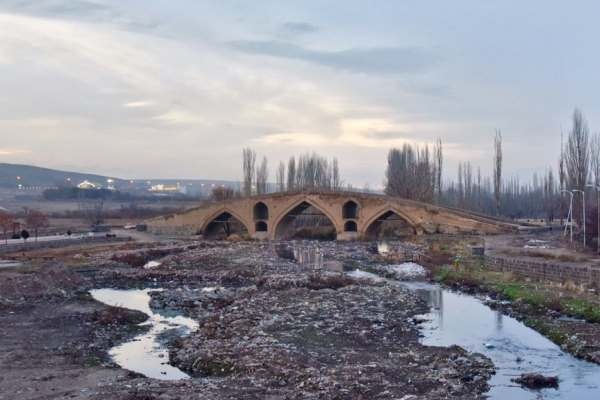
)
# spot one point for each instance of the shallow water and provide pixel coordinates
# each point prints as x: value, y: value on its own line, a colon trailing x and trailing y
x: 465, y: 321
x: 144, y: 353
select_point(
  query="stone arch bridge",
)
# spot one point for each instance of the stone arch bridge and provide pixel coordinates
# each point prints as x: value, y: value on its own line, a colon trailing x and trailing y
x: 353, y: 216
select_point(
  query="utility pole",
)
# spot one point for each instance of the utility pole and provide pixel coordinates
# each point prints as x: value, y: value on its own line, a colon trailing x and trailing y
x: 583, y: 211
x: 569, y: 215
x: 597, y: 216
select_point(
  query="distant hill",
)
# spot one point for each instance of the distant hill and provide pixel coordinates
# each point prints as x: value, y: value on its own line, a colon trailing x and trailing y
x: 11, y: 175
x: 37, y: 176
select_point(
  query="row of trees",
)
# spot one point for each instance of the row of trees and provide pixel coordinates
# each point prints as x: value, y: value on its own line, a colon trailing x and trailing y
x: 307, y: 171
x: 412, y: 172
x: 415, y: 172
x: 34, y: 220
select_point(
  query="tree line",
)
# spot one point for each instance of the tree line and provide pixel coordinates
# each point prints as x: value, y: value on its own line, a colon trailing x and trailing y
x: 307, y: 171
x: 415, y: 172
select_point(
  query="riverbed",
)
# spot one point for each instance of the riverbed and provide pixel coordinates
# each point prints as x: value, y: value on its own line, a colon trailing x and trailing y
x: 145, y: 353
x: 514, y: 348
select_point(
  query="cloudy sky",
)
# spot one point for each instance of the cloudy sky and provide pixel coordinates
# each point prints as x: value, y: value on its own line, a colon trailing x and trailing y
x: 176, y: 88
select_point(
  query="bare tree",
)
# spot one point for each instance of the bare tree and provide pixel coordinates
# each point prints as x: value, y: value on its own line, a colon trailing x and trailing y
x: 36, y: 220
x: 439, y: 159
x: 335, y: 175
x: 549, y: 195
x: 7, y: 223
x: 497, y: 169
x: 221, y: 193
x: 562, y: 177
x: 577, y: 156
x: 291, y: 174
x: 262, y: 176
x: 410, y: 174
x: 595, y: 158
x: 461, y: 186
x: 91, y: 207
x: 281, y: 177
x: 248, y: 166
x: 478, y: 188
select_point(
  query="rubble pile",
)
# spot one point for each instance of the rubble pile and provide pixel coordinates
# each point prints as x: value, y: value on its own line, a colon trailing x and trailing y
x: 283, y: 330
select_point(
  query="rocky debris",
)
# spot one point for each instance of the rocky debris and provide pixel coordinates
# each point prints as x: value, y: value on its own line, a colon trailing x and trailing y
x: 270, y: 327
x: 537, y: 381
x: 285, y: 251
x: 283, y: 330
x: 406, y: 271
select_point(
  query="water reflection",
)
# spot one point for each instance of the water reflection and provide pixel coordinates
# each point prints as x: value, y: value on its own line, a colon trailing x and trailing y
x: 144, y: 353
x: 514, y: 348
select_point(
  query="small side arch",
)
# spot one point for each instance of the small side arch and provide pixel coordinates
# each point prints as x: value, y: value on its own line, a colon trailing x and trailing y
x: 260, y: 211
x: 350, y: 210
x: 350, y: 226
x: 261, y: 226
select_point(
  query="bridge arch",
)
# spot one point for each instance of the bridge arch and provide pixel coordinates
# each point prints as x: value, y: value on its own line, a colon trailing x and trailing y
x: 261, y: 226
x: 373, y: 226
x: 350, y: 226
x: 277, y: 225
x: 221, y: 217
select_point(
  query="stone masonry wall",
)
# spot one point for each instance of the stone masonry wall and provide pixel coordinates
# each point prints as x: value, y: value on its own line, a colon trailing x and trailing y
x: 545, y: 271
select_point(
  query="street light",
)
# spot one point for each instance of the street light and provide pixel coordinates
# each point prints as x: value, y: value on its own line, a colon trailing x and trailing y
x: 597, y: 215
x: 570, y: 214
x: 583, y: 211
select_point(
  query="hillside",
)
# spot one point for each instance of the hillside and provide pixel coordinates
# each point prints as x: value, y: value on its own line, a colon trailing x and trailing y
x: 38, y: 176
x: 11, y: 175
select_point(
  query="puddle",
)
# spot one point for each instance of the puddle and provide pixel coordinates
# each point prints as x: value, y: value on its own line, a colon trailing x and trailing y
x: 514, y: 348
x: 145, y: 353
x: 9, y: 264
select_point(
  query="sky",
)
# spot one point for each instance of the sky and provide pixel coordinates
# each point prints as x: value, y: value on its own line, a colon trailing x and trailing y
x: 176, y: 88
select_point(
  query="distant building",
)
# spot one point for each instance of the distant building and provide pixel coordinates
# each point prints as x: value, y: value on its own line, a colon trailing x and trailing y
x: 162, y: 188
x: 88, y: 185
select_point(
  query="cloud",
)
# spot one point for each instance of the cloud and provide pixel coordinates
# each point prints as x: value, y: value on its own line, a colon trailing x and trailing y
x: 375, y: 60
x: 298, y: 28
x: 180, y: 117
x: 7, y: 151
x: 138, y: 104
x: 295, y: 138
x: 53, y: 8
x: 78, y: 10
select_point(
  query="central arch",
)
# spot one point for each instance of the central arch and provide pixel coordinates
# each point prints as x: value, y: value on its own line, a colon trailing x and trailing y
x: 222, y: 224
x: 293, y: 222
x: 389, y: 223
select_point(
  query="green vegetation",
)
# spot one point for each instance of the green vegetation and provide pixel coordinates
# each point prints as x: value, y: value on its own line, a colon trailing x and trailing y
x: 515, y: 291
x: 582, y: 309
